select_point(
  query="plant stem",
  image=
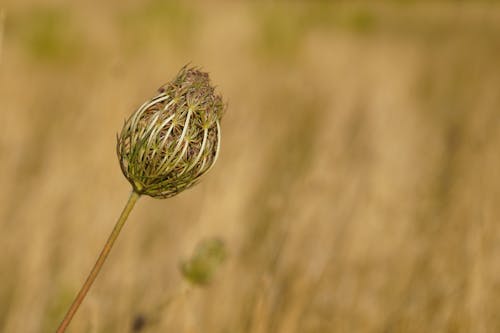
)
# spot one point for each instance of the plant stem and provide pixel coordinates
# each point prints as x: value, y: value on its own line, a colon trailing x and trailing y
x: 134, y: 196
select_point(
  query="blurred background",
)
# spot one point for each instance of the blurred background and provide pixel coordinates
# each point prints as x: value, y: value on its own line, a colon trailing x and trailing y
x: 358, y: 187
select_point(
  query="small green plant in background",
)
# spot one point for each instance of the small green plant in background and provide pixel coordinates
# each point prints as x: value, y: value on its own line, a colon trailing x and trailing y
x: 48, y: 34
x: 163, y: 149
x: 200, y: 268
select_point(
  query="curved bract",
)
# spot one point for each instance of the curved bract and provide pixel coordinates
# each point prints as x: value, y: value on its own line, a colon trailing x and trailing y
x: 174, y: 138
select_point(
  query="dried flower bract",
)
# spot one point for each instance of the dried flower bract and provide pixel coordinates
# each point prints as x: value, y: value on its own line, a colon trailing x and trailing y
x: 174, y: 138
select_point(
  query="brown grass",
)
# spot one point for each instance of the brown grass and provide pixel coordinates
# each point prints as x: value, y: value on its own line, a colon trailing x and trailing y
x: 357, y: 190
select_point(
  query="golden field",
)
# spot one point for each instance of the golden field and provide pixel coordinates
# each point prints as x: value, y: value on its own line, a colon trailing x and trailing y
x: 357, y: 190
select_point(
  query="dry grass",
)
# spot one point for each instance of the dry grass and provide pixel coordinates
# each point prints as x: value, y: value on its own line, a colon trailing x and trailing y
x: 357, y: 190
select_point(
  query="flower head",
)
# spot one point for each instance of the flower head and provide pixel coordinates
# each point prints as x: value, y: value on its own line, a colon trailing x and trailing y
x: 174, y: 138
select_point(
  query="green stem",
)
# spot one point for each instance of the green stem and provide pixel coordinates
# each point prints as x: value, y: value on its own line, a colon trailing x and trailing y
x: 134, y: 196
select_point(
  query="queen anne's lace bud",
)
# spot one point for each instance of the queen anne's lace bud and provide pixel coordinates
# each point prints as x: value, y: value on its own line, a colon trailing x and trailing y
x: 174, y: 138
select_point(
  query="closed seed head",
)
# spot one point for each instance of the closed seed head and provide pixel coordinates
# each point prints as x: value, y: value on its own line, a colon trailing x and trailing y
x: 174, y: 138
